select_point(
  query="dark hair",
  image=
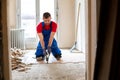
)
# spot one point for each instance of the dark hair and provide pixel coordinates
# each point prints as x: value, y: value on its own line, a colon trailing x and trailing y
x: 46, y: 15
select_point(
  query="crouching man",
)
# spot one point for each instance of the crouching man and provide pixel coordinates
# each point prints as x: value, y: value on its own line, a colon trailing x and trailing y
x: 46, y: 31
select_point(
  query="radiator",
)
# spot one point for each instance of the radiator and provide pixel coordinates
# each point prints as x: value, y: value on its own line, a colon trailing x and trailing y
x: 17, y: 38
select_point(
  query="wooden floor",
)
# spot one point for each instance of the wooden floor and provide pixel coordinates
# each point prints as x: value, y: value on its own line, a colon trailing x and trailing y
x: 70, y: 67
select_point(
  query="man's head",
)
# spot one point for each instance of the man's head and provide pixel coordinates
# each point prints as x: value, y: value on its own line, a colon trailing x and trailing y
x: 47, y: 18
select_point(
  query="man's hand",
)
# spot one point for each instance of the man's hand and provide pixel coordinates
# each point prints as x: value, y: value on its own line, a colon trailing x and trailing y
x: 40, y: 35
x: 50, y: 41
x: 49, y: 49
x: 44, y: 52
x: 51, y: 38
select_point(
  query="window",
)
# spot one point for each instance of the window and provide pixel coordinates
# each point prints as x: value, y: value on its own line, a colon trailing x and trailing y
x: 28, y: 18
x: 47, y: 6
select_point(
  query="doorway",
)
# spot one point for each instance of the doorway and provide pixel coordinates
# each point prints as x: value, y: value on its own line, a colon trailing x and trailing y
x: 64, y: 15
x: 59, y: 23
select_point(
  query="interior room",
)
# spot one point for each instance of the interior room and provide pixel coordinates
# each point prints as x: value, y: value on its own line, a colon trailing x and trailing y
x: 101, y: 42
x: 25, y: 15
x: 24, y: 46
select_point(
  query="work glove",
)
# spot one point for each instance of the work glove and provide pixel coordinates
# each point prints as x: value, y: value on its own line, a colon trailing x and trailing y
x: 49, y: 49
x: 44, y: 52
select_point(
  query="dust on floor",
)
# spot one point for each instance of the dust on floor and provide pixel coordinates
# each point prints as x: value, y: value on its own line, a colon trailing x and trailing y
x: 70, y: 67
x: 69, y: 71
x: 67, y: 57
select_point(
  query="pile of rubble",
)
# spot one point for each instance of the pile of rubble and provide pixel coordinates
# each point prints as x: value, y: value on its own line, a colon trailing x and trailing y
x: 16, y: 60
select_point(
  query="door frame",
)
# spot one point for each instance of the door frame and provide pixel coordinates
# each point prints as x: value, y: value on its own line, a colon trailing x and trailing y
x: 91, y: 37
x: 91, y: 24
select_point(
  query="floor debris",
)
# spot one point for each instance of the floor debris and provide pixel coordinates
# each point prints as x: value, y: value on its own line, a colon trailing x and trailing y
x: 16, y: 60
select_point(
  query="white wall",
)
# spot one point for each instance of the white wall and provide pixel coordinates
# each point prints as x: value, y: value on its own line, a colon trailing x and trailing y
x: 66, y: 21
x: 81, y: 24
x: 11, y: 8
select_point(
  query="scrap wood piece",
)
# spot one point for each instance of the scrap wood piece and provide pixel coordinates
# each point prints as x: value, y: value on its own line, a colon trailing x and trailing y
x: 16, y: 60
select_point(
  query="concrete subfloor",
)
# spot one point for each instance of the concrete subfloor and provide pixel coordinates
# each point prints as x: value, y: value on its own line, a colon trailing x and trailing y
x: 70, y: 67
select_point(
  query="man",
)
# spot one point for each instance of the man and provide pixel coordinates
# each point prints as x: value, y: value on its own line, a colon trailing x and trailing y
x: 46, y: 31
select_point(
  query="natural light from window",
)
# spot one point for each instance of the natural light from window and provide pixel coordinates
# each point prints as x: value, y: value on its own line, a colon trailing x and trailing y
x: 28, y: 15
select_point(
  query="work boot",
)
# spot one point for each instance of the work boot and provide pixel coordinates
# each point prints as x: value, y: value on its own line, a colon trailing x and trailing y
x: 40, y: 58
x: 58, y: 56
